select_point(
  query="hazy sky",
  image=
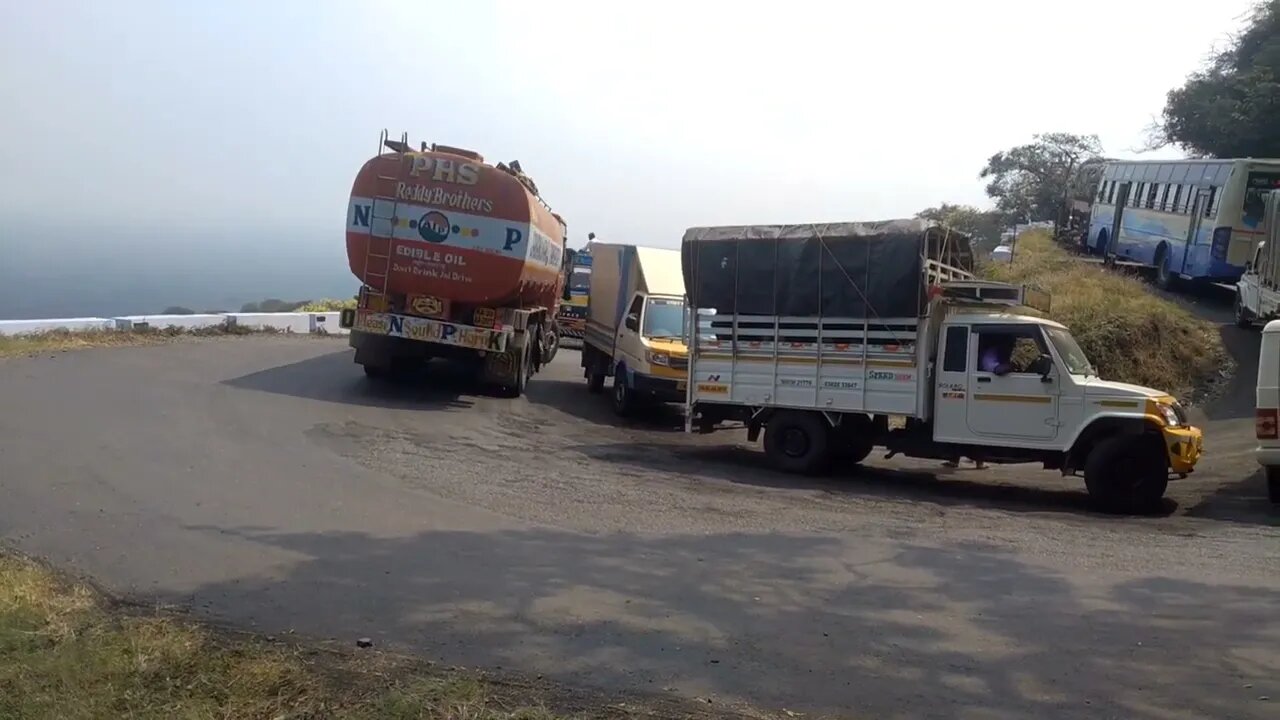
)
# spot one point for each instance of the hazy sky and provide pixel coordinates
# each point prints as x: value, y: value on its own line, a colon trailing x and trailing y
x: 636, y: 119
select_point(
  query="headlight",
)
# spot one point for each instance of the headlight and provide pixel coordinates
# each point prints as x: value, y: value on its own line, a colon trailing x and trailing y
x: 1170, y: 415
x: 658, y: 358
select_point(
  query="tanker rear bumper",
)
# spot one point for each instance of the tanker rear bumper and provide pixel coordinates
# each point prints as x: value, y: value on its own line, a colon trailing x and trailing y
x: 450, y: 336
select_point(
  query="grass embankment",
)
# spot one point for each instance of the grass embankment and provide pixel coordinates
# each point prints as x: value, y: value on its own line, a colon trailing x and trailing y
x: 63, y: 340
x: 328, y: 305
x: 1129, y: 333
x: 68, y: 653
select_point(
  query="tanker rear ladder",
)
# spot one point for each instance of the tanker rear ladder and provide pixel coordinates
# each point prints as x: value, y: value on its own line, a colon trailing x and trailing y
x: 377, y: 203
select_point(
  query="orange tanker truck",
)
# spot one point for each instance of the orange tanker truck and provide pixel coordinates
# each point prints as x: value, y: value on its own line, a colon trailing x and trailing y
x: 458, y: 259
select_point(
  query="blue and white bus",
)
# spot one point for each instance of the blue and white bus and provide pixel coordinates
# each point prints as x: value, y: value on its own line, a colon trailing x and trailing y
x: 1188, y: 219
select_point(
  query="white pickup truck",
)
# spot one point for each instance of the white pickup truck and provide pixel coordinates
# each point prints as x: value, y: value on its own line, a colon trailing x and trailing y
x: 1258, y: 289
x: 835, y: 339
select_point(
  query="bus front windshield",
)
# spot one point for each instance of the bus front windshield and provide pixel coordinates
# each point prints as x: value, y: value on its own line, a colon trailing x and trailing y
x: 1069, y: 350
x: 663, y: 318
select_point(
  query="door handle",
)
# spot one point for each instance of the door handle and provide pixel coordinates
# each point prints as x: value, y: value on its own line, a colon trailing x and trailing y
x: 984, y: 379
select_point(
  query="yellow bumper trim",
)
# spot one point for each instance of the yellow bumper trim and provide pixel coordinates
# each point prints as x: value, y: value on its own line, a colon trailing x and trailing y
x: 1184, y: 446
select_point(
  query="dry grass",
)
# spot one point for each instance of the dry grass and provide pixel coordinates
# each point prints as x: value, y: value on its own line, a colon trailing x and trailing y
x: 328, y: 305
x: 1129, y: 333
x: 69, y: 653
x: 64, y: 340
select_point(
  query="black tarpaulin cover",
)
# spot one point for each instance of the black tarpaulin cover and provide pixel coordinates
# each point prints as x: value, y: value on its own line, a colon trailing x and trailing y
x: 851, y: 270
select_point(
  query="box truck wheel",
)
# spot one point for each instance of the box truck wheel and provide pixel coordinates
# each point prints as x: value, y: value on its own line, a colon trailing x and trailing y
x: 595, y: 382
x: 624, y: 400
x: 1127, y: 474
x: 798, y: 442
x: 1273, y: 484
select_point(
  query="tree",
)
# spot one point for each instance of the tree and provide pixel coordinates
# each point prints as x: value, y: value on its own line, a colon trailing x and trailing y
x: 1231, y: 108
x: 177, y: 310
x: 980, y: 225
x: 1035, y: 181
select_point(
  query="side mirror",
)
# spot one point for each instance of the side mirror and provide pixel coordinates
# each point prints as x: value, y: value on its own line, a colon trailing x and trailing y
x: 632, y: 322
x: 1042, y: 366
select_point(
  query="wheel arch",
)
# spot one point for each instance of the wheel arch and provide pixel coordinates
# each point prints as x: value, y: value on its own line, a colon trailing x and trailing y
x: 1100, y: 429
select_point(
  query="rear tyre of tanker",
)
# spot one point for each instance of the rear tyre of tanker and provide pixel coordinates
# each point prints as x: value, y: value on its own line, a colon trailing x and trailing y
x: 1127, y: 474
x: 522, y: 372
x: 798, y: 442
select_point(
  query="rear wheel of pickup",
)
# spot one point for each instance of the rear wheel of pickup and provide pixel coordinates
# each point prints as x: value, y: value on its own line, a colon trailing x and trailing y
x: 1244, y: 318
x: 798, y: 442
x: 1273, y: 484
x: 1127, y: 474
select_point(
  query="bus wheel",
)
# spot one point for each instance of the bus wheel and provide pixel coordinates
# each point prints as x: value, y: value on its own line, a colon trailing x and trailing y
x: 798, y: 442
x: 1165, y: 279
x: 1101, y: 248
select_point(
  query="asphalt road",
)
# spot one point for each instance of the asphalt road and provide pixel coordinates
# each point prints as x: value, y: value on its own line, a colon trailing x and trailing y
x: 263, y: 481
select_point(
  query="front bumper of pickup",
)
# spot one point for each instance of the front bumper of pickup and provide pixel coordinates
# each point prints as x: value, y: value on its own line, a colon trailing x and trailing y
x: 1184, y: 446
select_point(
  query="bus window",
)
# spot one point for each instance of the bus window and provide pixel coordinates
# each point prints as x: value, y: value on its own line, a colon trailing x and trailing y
x: 1211, y: 207
x: 1165, y: 172
x: 1152, y: 190
x: 1111, y: 193
x: 1255, y: 197
x: 1175, y: 205
x: 1164, y: 198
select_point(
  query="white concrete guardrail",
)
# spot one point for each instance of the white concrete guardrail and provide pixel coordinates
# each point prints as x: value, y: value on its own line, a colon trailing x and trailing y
x: 294, y: 322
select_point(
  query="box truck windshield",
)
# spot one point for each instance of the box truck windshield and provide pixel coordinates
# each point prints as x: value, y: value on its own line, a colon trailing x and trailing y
x: 663, y: 318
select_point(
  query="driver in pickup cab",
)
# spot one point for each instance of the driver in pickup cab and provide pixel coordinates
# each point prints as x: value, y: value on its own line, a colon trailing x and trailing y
x: 996, y: 359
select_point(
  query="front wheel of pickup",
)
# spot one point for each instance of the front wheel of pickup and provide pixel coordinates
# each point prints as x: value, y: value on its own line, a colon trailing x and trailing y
x: 798, y: 442
x: 1127, y: 474
x: 1273, y: 484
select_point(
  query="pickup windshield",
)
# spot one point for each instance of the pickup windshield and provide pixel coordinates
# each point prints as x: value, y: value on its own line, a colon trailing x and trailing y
x: 663, y: 318
x: 1069, y: 350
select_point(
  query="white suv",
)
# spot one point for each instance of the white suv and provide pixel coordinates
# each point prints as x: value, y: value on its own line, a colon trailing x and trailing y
x: 1268, y: 408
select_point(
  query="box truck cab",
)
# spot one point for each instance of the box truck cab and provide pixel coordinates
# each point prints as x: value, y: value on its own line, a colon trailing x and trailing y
x: 635, y: 325
x: 835, y: 339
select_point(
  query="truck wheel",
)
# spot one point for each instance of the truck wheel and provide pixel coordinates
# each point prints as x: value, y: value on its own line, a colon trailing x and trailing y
x: 624, y: 401
x: 1243, y: 318
x: 1273, y: 484
x: 1127, y: 474
x: 595, y: 383
x: 798, y: 442
x: 523, y: 370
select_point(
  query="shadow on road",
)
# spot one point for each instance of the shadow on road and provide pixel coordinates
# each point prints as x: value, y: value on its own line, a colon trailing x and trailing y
x: 808, y: 623
x: 333, y: 377
x: 1244, y: 502
x: 746, y: 466
x: 571, y: 397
